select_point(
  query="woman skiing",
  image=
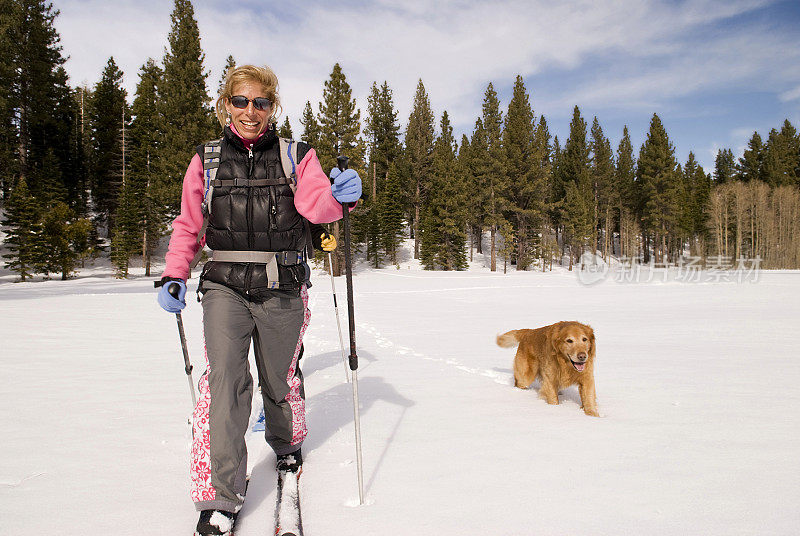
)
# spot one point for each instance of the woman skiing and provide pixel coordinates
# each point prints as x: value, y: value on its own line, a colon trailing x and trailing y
x: 257, y: 220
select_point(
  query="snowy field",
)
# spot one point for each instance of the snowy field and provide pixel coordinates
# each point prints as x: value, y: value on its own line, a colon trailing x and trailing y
x: 697, y: 388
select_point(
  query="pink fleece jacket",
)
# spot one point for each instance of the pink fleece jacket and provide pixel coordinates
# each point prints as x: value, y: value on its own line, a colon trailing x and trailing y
x: 313, y: 200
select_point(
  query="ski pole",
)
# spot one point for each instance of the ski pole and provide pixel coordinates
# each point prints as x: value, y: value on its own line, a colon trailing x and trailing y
x: 342, y: 162
x: 174, y: 290
x: 338, y: 322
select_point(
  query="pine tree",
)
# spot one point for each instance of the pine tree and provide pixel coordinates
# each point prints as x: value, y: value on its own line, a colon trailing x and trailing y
x: 340, y: 124
x: 370, y: 213
x: 782, y: 157
x: 697, y: 189
x: 108, y: 107
x: 629, y: 208
x: 658, y: 174
x: 230, y: 64
x: 311, y: 129
x: 64, y: 240
x: 126, y: 239
x: 285, y: 131
x: 574, y: 175
x: 36, y: 55
x: 392, y: 208
x: 605, y: 194
x: 556, y: 192
x: 477, y: 169
x: 751, y: 164
x: 541, y: 174
x: 464, y: 167
x: 38, y: 94
x: 419, y: 148
x: 382, y: 131
x: 23, y: 229
x: 144, y: 150
x: 126, y: 242
x: 724, y: 166
x: 495, y: 186
x: 525, y: 200
x: 578, y: 208
x: 442, y: 225
x: 186, y: 118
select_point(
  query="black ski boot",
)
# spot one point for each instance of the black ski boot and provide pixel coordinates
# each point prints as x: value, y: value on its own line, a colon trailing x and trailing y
x: 291, y: 462
x: 215, y: 523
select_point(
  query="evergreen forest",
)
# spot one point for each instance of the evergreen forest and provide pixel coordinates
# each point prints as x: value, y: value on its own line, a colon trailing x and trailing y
x: 93, y: 171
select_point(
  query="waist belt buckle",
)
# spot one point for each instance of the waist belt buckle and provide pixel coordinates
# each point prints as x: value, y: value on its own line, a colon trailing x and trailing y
x: 288, y: 258
x: 239, y: 182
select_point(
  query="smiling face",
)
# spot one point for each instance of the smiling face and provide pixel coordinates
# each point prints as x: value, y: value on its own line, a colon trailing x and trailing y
x: 249, y: 122
x: 575, y: 342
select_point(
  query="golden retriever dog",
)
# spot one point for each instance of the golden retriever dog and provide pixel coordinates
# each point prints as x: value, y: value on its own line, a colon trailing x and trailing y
x: 560, y: 355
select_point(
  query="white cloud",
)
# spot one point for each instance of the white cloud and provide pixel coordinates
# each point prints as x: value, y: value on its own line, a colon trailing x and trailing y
x: 791, y: 95
x: 729, y: 62
x: 455, y: 46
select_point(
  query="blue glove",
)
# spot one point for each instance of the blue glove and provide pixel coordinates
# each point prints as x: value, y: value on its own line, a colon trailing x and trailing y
x: 346, y: 187
x: 167, y: 301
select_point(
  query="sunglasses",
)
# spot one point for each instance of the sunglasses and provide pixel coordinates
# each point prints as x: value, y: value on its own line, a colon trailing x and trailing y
x: 259, y: 103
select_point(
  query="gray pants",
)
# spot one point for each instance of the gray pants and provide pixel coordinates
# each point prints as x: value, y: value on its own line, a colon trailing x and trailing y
x: 230, y: 322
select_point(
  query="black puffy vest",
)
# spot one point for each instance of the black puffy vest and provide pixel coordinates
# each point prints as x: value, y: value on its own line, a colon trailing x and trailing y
x: 253, y: 218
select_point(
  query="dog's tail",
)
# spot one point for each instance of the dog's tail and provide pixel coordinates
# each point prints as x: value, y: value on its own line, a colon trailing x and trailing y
x: 509, y: 339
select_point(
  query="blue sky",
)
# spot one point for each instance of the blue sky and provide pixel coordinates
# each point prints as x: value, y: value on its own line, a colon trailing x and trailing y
x: 714, y: 70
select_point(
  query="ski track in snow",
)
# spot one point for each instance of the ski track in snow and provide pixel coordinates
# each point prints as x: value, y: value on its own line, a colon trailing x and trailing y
x: 406, y: 351
x: 315, y: 344
x: 18, y: 483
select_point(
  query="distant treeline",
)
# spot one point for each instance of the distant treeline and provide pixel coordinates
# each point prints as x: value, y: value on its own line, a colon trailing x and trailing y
x: 85, y: 173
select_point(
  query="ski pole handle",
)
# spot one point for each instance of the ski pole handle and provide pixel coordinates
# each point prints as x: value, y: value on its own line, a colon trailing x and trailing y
x: 342, y: 162
x: 174, y: 290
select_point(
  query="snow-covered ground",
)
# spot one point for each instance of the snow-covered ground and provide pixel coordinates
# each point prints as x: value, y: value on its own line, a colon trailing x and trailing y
x: 697, y: 387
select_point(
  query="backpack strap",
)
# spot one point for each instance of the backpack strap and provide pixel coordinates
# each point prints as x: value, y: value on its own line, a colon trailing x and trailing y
x: 288, y: 151
x: 211, y: 154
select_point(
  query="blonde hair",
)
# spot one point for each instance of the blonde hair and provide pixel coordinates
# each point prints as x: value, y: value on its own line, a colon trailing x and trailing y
x: 249, y: 73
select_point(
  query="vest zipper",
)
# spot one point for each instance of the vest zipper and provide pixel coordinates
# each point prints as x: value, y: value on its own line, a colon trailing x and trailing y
x: 273, y: 209
x: 250, y: 238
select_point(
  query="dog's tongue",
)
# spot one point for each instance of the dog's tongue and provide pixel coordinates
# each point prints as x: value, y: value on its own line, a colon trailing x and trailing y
x: 580, y: 366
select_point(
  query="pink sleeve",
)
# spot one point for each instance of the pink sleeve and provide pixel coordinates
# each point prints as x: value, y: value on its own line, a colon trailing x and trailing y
x: 183, y: 243
x: 313, y: 198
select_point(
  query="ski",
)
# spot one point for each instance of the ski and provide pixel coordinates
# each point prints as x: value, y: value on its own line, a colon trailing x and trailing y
x: 287, y: 506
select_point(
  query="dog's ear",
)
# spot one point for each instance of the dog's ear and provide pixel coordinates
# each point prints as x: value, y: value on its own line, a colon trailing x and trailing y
x: 555, y: 338
x: 592, y: 347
